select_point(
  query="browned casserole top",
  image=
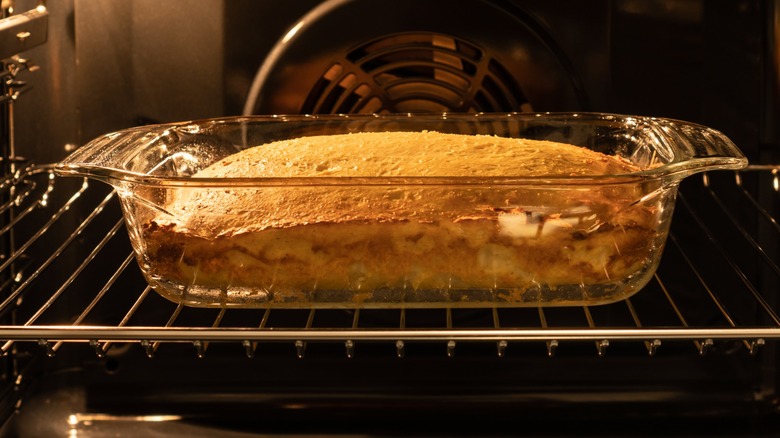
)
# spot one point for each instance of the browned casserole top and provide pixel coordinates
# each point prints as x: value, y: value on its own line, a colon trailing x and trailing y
x: 224, y: 212
x: 425, y: 153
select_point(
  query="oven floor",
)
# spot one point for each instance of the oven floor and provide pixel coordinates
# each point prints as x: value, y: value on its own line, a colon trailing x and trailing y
x: 79, y: 402
x: 61, y: 413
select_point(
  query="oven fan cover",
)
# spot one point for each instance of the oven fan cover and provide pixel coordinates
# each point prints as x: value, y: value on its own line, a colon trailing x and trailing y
x: 351, y: 57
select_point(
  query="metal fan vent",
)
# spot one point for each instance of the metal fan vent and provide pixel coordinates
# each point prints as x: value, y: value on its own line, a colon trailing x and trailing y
x: 416, y: 72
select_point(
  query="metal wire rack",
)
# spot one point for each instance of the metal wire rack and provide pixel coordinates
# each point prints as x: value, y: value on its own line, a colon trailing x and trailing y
x: 69, y: 276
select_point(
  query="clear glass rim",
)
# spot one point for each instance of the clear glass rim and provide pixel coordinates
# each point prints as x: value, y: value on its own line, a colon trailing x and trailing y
x: 675, y: 170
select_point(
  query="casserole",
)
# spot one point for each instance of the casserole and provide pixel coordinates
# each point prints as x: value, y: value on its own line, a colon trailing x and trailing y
x: 595, y: 239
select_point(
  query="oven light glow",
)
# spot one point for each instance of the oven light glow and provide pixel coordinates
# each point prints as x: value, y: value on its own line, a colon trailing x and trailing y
x: 291, y: 33
x: 159, y: 418
x: 88, y: 419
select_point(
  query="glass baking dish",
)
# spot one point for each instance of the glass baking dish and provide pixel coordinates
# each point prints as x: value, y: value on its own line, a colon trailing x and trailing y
x: 544, y: 240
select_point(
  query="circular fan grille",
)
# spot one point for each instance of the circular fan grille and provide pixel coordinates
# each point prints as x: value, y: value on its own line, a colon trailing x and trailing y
x: 433, y: 56
x: 415, y: 72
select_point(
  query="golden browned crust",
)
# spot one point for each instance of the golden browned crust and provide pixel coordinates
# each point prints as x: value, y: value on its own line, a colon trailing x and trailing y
x: 208, y: 213
x: 425, y: 153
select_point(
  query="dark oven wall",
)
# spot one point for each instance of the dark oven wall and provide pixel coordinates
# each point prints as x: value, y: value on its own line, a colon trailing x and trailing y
x: 113, y: 65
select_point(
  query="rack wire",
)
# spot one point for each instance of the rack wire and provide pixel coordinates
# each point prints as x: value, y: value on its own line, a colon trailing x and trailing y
x: 72, y: 278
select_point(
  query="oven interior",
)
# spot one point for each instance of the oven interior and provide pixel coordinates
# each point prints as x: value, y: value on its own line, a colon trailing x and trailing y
x: 89, y: 350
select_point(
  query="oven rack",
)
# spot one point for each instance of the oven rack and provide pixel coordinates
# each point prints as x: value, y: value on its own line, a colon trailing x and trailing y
x: 69, y: 276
